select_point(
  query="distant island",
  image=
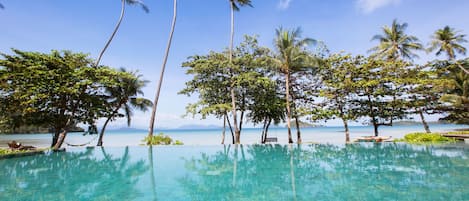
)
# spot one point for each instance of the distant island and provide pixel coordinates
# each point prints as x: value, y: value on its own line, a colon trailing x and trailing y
x: 411, y: 123
x: 303, y: 124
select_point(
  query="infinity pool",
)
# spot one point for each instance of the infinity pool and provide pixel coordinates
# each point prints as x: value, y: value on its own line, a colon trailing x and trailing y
x: 269, y: 172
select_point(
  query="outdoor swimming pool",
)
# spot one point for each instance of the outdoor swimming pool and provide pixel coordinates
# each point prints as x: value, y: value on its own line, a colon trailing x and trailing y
x: 257, y: 172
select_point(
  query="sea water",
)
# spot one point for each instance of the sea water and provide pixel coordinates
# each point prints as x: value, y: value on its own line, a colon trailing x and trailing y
x: 118, y: 138
x: 362, y: 171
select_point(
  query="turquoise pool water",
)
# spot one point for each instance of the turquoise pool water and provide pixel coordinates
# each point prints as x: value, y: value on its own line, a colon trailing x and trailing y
x: 256, y: 172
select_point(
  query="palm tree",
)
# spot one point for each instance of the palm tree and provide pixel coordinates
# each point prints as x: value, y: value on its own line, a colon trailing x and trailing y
x: 395, y: 43
x: 234, y: 5
x: 448, y: 41
x: 158, y: 88
x: 291, y: 57
x: 130, y: 2
x: 125, y: 97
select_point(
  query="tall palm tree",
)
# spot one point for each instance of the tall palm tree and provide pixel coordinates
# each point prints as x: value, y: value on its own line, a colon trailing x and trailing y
x: 130, y: 2
x: 448, y: 41
x: 395, y: 43
x: 165, y: 59
x: 125, y: 97
x: 291, y: 57
x: 234, y: 6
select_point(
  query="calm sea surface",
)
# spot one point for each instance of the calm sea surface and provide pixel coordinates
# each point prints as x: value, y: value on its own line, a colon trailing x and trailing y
x: 332, y: 135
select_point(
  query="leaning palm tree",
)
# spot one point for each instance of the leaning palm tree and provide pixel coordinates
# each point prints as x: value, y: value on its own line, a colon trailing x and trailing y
x: 291, y: 57
x: 165, y: 59
x: 395, y: 43
x: 234, y: 6
x: 448, y: 41
x: 130, y: 2
x: 124, y: 97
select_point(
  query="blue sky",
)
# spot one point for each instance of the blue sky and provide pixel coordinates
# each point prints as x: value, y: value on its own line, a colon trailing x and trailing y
x: 203, y: 25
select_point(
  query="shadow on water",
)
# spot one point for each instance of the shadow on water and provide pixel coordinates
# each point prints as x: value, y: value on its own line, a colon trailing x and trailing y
x: 71, y: 176
x: 329, y: 172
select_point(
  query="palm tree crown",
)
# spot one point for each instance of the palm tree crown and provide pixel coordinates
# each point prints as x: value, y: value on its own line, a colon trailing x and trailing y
x: 138, y: 3
x: 448, y: 41
x: 291, y: 49
x: 237, y: 3
x: 124, y: 97
x: 395, y: 42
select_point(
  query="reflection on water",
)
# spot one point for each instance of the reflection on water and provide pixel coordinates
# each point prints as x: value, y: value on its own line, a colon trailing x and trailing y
x: 260, y: 172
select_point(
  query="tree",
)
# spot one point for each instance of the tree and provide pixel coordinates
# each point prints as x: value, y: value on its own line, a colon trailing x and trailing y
x: 213, y: 82
x: 395, y: 43
x: 456, y: 93
x: 160, y: 82
x: 58, y: 89
x: 125, y: 97
x: 424, y: 90
x: 234, y: 6
x: 338, y: 76
x: 448, y: 41
x: 124, y: 2
x: 380, y: 86
x: 291, y: 56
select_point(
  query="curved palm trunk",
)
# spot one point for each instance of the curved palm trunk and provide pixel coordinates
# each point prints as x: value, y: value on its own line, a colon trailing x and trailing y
x: 232, y: 90
x: 287, y: 98
x: 158, y: 89
x: 113, y: 34
x: 425, y: 124
x: 101, y: 134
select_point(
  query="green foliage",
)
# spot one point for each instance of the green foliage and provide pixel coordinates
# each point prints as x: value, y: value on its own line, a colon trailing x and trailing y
x: 425, y: 138
x: 161, y: 139
x: 55, y: 90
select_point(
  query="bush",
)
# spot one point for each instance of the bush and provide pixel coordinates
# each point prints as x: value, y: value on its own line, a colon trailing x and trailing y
x: 9, y: 151
x: 425, y: 137
x: 161, y: 139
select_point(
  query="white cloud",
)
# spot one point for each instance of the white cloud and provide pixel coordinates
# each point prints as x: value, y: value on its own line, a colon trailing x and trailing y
x: 368, y: 6
x: 284, y: 4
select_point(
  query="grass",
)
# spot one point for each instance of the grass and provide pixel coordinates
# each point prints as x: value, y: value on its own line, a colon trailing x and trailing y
x: 425, y: 138
x: 9, y: 151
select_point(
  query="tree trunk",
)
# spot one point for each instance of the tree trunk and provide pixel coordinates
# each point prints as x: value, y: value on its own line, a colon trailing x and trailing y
x: 263, y: 134
x: 231, y: 129
x: 101, y: 134
x: 425, y: 124
x: 287, y: 98
x: 60, y: 140
x: 224, y: 129
x: 158, y: 88
x: 55, y: 137
x: 267, y: 129
x: 113, y: 34
x: 298, y: 133
x: 375, y: 126
x: 347, y: 132
x: 232, y: 90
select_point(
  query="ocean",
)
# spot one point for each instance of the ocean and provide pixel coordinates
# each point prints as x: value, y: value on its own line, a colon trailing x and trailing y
x: 324, y: 135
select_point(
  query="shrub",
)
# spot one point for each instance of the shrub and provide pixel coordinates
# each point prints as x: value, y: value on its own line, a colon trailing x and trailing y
x: 425, y: 137
x: 161, y: 139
